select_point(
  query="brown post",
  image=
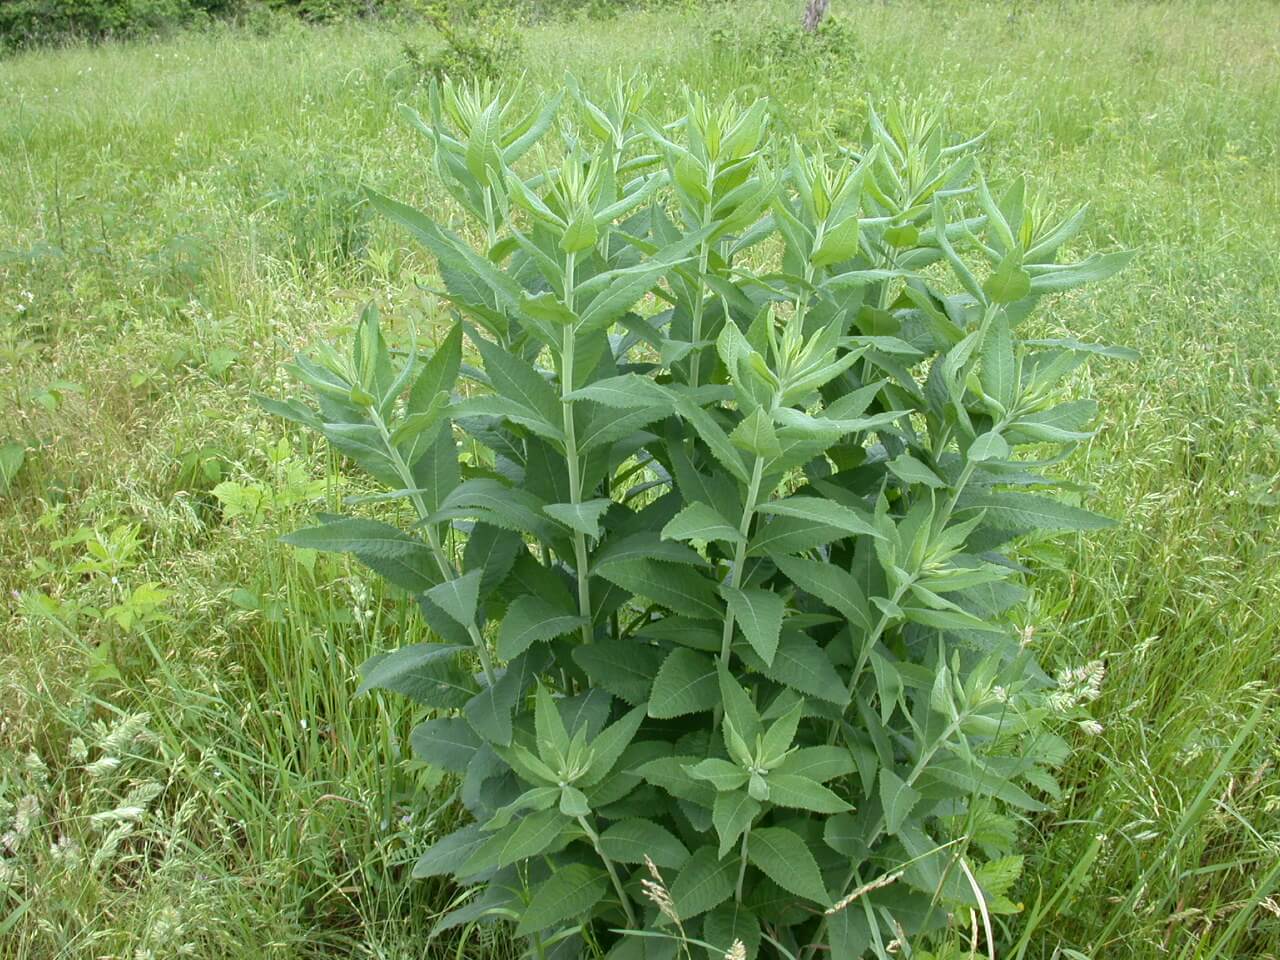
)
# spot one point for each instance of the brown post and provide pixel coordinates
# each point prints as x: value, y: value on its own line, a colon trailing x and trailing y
x: 814, y: 11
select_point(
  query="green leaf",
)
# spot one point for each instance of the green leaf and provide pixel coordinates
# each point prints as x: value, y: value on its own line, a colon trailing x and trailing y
x: 583, y: 517
x: 998, y: 373
x: 911, y: 471
x: 897, y: 798
x: 801, y: 793
x: 1017, y: 511
x: 458, y: 597
x: 705, y: 882
x: 739, y: 711
x: 710, y: 433
x: 426, y: 673
x: 625, y: 392
x: 821, y: 763
x: 802, y: 665
x: 733, y: 813
x: 829, y: 583
x: 721, y: 774
x: 727, y: 923
x: 683, y: 590
x: 527, y: 837
x: 489, y: 711
x: 356, y: 535
x: 686, y: 683
x: 759, y: 613
x: 445, y: 742
x: 784, y: 858
x: 449, y: 853
x: 989, y: 446
x: 821, y: 511
x: 1008, y: 283
x: 608, y: 746
x: 1100, y: 266
x: 755, y: 435
x: 631, y: 840
x: 567, y: 894
x: 625, y: 668
x: 516, y: 380
x: 787, y: 535
x: 698, y: 521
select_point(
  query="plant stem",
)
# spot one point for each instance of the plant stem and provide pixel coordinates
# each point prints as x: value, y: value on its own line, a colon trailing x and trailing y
x: 740, y: 552
x: 613, y: 871
x: 571, y: 453
x: 433, y: 540
x: 742, y: 865
x: 695, y: 358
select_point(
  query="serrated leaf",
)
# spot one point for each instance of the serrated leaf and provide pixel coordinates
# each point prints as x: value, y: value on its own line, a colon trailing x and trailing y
x: 567, y: 894
x: 755, y: 434
x: 989, y: 446
x: 582, y: 517
x: 427, y: 673
x: 821, y: 511
x: 1017, y: 511
x: 911, y: 471
x: 802, y: 793
x: 683, y: 590
x: 897, y: 797
x: 788, y: 535
x: 721, y: 774
x: 631, y: 840
x: 829, y: 583
x: 625, y: 668
x: 802, y: 665
x: 449, y: 853
x: 686, y: 683
x: 706, y: 881
x: 445, y: 742
x: 759, y: 613
x: 821, y: 763
x: 458, y: 597
x: 354, y: 534
x: 784, y: 858
x: 734, y: 811
x: 698, y: 521
x: 531, y: 620
x: 527, y: 837
x: 625, y: 392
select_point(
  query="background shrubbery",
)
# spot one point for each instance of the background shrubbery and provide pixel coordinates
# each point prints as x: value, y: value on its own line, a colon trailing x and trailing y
x: 31, y: 22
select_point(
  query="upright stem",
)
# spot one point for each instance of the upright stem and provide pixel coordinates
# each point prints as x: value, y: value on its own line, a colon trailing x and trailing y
x: 742, y: 865
x: 433, y: 539
x: 571, y: 452
x: 695, y: 358
x: 613, y: 871
x: 740, y: 552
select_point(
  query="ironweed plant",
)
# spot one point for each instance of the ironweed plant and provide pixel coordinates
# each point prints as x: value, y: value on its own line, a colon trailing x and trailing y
x: 724, y: 652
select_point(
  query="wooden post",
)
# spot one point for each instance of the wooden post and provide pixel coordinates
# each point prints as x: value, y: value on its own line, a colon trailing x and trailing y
x: 814, y: 11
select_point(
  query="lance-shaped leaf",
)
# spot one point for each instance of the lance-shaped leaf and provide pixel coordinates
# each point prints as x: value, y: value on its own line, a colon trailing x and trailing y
x: 631, y: 840
x: 682, y: 589
x: 821, y: 511
x: 785, y: 859
x: 458, y: 597
x: 829, y: 583
x: 582, y: 517
x: 625, y: 668
x: 898, y: 799
x: 686, y: 683
x: 732, y: 815
x: 527, y: 837
x: 531, y: 620
x: 699, y: 521
x: 566, y: 895
x: 444, y: 742
x: 759, y: 613
x: 705, y: 882
x: 801, y: 793
x: 425, y: 672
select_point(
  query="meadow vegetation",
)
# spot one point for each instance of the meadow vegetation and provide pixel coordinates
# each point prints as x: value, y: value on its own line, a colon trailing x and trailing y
x: 185, y: 766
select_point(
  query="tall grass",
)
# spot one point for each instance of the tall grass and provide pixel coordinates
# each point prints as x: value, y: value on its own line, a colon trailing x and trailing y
x: 176, y: 218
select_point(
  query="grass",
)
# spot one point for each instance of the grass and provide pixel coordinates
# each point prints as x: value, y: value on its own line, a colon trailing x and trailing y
x: 183, y: 766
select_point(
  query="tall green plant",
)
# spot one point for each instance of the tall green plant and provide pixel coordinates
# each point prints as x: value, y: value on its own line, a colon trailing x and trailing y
x: 721, y: 590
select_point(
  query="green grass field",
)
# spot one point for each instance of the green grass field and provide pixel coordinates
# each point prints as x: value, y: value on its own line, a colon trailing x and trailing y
x: 183, y: 767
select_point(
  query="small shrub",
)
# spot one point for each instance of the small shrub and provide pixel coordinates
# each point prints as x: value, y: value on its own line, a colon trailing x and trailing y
x: 478, y: 39
x: 725, y: 647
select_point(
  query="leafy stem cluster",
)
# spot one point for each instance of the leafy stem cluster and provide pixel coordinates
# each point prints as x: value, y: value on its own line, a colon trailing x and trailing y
x: 751, y: 431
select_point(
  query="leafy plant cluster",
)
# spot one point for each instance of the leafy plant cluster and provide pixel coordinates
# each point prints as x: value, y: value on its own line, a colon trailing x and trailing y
x: 41, y: 21
x: 712, y: 529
